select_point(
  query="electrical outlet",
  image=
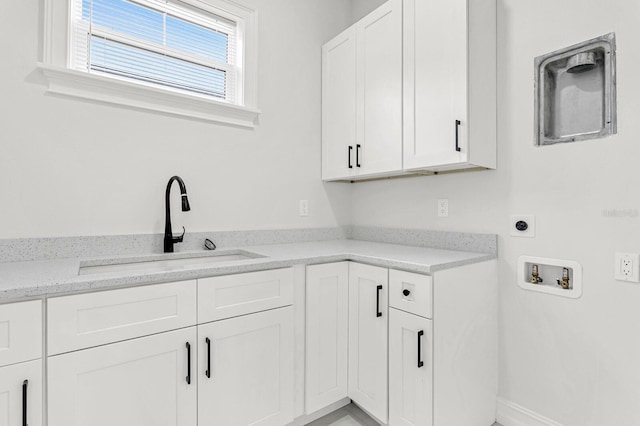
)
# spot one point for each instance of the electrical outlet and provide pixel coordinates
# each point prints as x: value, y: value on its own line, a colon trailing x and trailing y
x: 304, y: 208
x: 443, y: 207
x: 627, y: 267
x: 522, y: 225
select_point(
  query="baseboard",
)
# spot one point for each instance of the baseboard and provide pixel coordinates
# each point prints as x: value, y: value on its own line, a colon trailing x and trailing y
x: 306, y: 419
x: 510, y: 414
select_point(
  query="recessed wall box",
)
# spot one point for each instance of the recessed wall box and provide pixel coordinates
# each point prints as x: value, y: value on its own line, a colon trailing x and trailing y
x: 575, y: 92
x: 550, y: 275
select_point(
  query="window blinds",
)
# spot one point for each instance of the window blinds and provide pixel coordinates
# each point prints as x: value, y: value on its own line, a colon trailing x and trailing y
x: 159, y: 42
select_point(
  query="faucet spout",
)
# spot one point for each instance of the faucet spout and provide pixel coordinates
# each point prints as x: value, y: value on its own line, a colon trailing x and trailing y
x: 169, y: 239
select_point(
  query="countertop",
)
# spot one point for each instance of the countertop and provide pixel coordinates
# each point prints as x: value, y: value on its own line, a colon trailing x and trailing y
x: 20, y: 280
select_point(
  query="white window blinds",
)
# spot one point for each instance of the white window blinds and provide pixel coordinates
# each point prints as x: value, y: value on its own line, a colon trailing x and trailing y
x: 159, y: 42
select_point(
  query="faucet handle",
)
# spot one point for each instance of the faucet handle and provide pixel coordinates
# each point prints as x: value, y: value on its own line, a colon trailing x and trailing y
x: 181, y: 237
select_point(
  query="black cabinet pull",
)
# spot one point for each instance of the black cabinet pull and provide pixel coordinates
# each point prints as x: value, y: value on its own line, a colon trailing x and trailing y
x: 358, y: 147
x: 406, y: 292
x: 349, y: 163
x: 25, y: 384
x: 208, y: 372
x: 420, y: 362
x: 188, y: 363
x: 378, y: 313
x: 457, y: 141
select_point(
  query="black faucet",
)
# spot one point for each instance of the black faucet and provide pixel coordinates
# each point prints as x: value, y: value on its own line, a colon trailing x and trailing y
x: 169, y: 239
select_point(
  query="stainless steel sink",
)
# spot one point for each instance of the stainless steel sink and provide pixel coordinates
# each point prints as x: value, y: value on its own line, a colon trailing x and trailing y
x: 166, y: 264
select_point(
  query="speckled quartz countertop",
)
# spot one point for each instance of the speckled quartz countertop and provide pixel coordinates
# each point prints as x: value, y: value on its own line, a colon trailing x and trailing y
x: 20, y: 280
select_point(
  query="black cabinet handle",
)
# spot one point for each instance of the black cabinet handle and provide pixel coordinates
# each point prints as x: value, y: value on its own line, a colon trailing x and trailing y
x: 420, y: 362
x: 406, y: 292
x: 188, y: 363
x: 349, y: 163
x: 378, y: 313
x: 208, y: 372
x: 457, y: 141
x: 358, y: 147
x: 25, y: 384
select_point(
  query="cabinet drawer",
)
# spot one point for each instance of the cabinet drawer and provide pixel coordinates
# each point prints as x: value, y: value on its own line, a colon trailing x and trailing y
x: 20, y: 332
x: 85, y: 320
x: 419, y: 289
x: 234, y: 295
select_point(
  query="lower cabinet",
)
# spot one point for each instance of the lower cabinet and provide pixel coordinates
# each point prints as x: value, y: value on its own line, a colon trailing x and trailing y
x: 326, y: 353
x: 145, y: 381
x: 422, y: 349
x: 410, y: 370
x: 245, y: 372
x: 368, y: 325
x: 21, y: 394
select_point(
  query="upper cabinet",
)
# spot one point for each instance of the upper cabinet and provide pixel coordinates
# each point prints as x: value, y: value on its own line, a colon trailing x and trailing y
x: 411, y: 88
x: 449, y: 84
x: 362, y: 97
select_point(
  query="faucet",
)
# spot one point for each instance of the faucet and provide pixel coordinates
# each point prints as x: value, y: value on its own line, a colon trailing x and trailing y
x: 169, y: 239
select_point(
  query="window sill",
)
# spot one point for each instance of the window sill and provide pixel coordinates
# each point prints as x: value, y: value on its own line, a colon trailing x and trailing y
x: 76, y: 84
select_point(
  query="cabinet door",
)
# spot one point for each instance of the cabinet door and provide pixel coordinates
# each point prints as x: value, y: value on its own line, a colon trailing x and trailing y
x: 379, y: 83
x: 368, y: 338
x: 339, y: 106
x: 327, y: 334
x: 435, y: 75
x: 246, y: 370
x: 20, y: 389
x: 410, y: 370
x: 141, y: 382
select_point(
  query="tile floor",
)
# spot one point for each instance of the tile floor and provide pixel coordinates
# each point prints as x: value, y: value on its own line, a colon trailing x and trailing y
x: 350, y: 415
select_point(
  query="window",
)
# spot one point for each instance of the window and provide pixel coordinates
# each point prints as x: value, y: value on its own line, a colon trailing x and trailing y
x: 190, y: 51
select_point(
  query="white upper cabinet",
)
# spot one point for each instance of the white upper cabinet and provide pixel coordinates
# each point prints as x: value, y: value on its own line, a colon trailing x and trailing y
x: 339, y: 106
x: 410, y: 88
x: 449, y: 84
x: 379, y: 90
x: 362, y: 97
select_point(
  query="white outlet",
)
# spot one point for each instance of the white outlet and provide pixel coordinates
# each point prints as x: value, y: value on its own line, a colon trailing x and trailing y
x: 627, y: 267
x: 304, y: 207
x: 443, y: 207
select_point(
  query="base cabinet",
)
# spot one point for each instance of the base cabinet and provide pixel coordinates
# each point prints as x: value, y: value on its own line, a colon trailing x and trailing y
x: 326, y: 353
x: 245, y: 372
x: 145, y: 381
x: 21, y: 394
x: 410, y: 370
x: 368, y: 326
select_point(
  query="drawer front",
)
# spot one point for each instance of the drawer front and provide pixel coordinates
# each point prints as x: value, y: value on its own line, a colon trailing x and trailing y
x: 86, y: 320
x: 20, y: 332
x: 234, y: 295
x: 418, y: 289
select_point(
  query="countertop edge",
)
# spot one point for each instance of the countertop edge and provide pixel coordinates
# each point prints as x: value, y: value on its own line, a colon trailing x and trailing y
x: 97, y: 283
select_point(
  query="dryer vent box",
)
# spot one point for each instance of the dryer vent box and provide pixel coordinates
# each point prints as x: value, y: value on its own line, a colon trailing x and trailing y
x: 576, y: 92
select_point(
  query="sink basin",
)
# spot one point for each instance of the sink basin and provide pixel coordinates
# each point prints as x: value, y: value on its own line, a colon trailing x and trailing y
x: 166, y: 264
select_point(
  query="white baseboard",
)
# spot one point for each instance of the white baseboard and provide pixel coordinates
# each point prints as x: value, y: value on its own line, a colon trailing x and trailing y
x: 510, y: 414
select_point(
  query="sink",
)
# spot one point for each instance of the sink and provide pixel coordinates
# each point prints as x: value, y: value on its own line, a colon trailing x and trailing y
x: 159, y: 264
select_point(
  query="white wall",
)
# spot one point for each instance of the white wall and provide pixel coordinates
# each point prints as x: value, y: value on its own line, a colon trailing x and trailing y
x: 574, y: 361
x: 360, y: 8
x: 69, y: 167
